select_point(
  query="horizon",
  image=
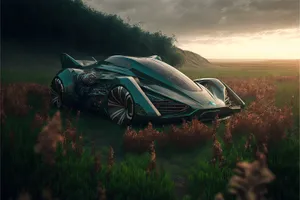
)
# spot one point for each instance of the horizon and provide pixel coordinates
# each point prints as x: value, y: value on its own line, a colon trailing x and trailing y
x: 250, y: 60
x: 275, y: 44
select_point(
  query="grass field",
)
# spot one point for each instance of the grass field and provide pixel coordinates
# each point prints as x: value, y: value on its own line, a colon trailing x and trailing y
x: 188, y: 167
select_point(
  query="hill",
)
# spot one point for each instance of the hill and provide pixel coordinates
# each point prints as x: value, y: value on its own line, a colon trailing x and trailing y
x: 70, y: 26
x: 73, y: 25
x: 193, y: 60
x: 36, y: 56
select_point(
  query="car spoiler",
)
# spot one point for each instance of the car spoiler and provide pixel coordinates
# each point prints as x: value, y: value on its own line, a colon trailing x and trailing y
x: 69, y: 62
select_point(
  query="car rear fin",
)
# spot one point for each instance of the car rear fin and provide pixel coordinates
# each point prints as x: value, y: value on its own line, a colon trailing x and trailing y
x: 68, y: 62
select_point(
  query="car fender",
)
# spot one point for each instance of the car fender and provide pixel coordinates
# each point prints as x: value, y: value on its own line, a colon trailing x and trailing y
x: 143, y: 105
x: 219, y: 89
x: 67, y: 78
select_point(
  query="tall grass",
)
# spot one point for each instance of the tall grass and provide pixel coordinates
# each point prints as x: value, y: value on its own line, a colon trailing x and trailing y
x: 42, y: 153
x: 48, y: 156
x: 261, y: 127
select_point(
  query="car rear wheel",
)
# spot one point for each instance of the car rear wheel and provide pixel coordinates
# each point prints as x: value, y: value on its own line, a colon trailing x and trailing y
x: 56, y: 93
x: 120, y: 105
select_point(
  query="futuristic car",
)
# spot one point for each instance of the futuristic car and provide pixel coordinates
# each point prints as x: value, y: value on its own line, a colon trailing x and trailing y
x: 140, y: 89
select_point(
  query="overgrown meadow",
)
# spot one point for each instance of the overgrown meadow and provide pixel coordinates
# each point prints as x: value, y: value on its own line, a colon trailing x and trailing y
x: 70, y: 154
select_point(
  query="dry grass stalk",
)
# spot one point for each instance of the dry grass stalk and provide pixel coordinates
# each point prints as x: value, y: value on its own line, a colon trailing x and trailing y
x: 24, y: 196
x: 70, y: 135
x: 77, y: 116
x: 110, y: 162
x: 140, y: 141
x: 47, y: 194
x: 152, y: 163
x: 14, y: 97
x: 227, y: 135
x: 248, y: 142
x: 217, y: 148
x: 70, y: 131
x: 79, y: 149
x: 101, y: 192
x: 216, y: 124
x: 219, y: 196
x: 190, y: 134
x: 266, y: 121
x: 111, y: 157
x: 265, y: 149
x: 38, y: 121
x: 247, y: 88
x: 217, y: 153
x: 251, y: 178
x: 97, y: 160
x: 48, y: 139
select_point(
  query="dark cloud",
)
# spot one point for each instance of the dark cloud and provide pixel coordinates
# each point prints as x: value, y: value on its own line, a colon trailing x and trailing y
x: 186, y: 18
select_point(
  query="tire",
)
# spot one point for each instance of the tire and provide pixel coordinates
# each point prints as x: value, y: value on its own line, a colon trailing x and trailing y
x: 57, y: 89
x: 120, y: 105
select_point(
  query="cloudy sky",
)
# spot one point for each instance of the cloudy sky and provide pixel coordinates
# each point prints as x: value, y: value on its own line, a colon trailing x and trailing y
x: 218, y: 28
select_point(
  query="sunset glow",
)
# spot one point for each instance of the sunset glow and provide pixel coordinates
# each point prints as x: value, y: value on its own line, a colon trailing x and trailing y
x: 278, y: 44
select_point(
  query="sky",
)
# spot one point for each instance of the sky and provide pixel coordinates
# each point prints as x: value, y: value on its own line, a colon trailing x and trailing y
x: 218, y: 29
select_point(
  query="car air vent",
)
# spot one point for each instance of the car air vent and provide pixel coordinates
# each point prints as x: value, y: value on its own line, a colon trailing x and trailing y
x: 169, y: 107
x: 166, y: 106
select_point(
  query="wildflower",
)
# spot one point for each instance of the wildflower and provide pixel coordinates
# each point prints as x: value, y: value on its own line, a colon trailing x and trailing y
x: 24, y: 196
x: 101, y: 192
x: 48, y: 139
x: 250, y: 179
x: 219, y: 196
x: 152, y: 164
x: 97, y: 162
x: 47, y: 194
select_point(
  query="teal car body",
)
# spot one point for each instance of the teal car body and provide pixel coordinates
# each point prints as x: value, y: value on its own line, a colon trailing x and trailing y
x: 140, y: 89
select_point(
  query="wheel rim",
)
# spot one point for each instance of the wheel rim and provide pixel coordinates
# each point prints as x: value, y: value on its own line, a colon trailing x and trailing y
x: 120, y: 105
x: 56, y: 93
x: 55, y: 100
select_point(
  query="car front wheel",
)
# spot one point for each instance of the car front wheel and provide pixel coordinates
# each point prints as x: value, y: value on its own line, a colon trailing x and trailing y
x: 120, y: 105
x: 56, y: 93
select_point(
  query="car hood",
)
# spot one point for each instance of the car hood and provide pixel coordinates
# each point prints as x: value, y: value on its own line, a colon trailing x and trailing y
x: 165, y: 80
x: 154, y: 71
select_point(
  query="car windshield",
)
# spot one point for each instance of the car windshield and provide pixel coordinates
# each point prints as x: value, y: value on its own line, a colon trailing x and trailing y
x: 171, y: 73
